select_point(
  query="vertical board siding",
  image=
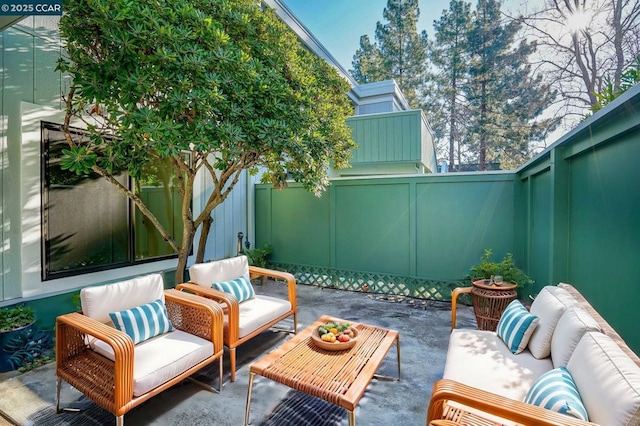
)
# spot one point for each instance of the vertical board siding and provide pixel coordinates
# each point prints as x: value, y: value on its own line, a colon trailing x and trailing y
x: 4, y: 233
x: 540, y: 228
x: 300, y: 225
x: 432, y: 227
x: 457, y: 219
x: 578, y: 214
x: 25, y: 74
x: 372, y: 227
x: 387, y: 138
x: 604, y: 231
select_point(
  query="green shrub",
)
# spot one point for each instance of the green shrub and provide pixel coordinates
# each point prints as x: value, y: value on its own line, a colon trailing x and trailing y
x: 507, y: 268
x: 16, y: 316
x: 258, y: 256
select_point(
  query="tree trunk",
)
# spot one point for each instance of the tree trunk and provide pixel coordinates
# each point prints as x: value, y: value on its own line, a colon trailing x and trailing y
x: 482, y: 165
x: 187, y: 243
x: 204, y: 234
x: 452, y: 123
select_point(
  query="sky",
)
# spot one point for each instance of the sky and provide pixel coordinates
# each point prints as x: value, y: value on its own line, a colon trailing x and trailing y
x: 338, y: 24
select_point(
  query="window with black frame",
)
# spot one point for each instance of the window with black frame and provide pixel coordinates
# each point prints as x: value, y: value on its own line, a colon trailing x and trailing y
x: 88, y: 225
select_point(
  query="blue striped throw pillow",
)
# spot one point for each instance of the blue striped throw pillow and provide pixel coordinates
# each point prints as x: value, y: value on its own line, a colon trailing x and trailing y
x: 143, y: 322
x: 516, y: 326
x: 555, y: 390
x: 241, y: 288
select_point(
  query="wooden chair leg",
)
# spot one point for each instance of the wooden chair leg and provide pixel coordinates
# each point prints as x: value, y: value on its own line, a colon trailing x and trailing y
x: 220, y: 379
x: 58, y: 384
x: 232, y: 358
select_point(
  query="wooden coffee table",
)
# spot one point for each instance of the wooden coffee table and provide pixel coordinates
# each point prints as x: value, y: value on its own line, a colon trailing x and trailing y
x: 340, y: 378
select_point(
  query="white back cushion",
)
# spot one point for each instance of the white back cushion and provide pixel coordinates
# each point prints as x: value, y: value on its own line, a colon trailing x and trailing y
x: 607, y: 379
x: 548, y: 306
x: 98, y: 301
x: 205, y: 274
x: 572, y: 325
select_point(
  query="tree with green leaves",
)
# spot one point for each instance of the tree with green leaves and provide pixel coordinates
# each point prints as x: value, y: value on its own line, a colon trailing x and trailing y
x: 399, y: 53
x: 629, y: 78
x: 445, y: 100
x: 505, y: 100
x: 211, y: 86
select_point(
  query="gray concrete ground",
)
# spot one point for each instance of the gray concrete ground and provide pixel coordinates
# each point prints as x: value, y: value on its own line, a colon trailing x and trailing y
x: 424, y: 329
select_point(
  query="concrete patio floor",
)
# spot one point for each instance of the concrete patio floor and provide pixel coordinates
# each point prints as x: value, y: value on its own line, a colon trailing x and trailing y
x: 424, y: 327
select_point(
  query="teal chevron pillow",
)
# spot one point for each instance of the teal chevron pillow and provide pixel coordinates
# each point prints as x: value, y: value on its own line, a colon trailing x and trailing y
x: 516, y: 326
x: 556, y: 391
x: 241, y: 288
x: 143, y: 322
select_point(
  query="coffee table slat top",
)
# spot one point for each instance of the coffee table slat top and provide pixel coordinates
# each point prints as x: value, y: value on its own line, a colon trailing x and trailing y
x: 339, y: 377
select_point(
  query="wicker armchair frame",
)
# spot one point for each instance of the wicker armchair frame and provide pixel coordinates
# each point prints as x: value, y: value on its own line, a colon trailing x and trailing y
x: 110, y: 383
x: 446, y: 391
x: 232, y: 338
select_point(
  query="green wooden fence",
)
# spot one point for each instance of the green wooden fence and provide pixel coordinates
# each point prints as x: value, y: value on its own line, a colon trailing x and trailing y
x: 570, y: 215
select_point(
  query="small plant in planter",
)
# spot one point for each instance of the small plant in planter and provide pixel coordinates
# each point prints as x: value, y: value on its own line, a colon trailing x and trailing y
x: 15, y: 317
x: 506, y: 268
x: 15, y: 331
x: 258, y: 256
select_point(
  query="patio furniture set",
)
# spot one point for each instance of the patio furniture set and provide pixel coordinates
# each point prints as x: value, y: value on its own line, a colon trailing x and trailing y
x: 109, y: 351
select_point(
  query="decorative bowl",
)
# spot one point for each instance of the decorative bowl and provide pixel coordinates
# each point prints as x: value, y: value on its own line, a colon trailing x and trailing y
x: 335, y: 346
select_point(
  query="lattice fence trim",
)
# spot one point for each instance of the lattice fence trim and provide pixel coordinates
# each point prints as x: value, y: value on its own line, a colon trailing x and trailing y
x: 371, y: 282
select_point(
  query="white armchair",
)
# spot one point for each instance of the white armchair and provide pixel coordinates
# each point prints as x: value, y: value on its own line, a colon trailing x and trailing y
x: 246, y: 319
x: 110, y: 368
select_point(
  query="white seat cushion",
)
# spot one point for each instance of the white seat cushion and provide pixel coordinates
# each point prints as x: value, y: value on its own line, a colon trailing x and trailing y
x: 548, y: 306
x: 256, y: 312
x: 481, y: 359
x: 607, y: 379
x: 98, y: 301
x: 161, y: 358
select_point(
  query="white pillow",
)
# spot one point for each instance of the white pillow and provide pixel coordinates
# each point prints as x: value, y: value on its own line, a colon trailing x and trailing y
x: 607, y: 379
x: 516, y: 326
x: 98, y: 301
x: 229, y: 269
x: 573, y: 323
x: 549, y: 305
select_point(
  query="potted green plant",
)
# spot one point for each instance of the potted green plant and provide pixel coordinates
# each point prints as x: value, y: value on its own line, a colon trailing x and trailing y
x: 506, y: 268
x: 16, y: 317
x: 258, y: 257
x: 15, y: 322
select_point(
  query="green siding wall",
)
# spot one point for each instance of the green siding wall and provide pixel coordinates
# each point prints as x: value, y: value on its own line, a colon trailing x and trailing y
x: 432, y: 227
x: 391, y: 143
x: 28, y: 54
x: 372, y: 227
x: 391, y: 137
x: 458, y: 217
x: 578, y: 214
x: 604, y: 232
